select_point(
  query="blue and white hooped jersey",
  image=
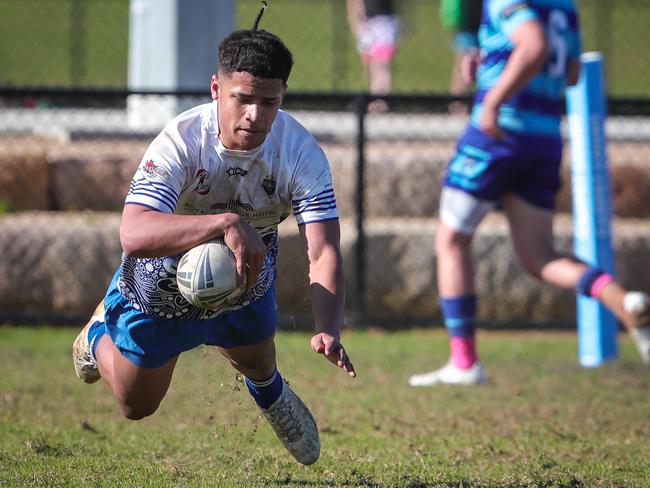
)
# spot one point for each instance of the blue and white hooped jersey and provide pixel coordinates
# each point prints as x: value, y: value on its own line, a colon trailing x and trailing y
x: 537, y: 108
x: 187, y: 170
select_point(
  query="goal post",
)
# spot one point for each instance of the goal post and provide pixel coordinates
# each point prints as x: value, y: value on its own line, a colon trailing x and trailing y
x: 592, y: 211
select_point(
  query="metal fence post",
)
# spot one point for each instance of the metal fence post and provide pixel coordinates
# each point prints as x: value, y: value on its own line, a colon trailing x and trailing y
x: 361, y: 107
x: 78, y: 42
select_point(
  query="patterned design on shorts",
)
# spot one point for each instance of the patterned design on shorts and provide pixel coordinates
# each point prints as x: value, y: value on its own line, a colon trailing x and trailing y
x: 487, y: 168
x: 149, y: 284
x: 467, y: 166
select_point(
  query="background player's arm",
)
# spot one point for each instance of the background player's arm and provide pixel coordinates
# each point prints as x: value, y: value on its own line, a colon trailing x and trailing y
x: 321, y: 245
x: 145, y: 232
x: 525, y: 62
x: 469, y: 64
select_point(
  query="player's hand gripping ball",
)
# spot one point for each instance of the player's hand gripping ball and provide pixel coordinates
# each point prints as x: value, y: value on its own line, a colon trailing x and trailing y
x: 207, y: 276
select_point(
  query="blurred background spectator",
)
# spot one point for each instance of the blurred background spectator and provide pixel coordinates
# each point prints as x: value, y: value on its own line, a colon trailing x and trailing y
x: 463, y: 19
x: 376, y: 29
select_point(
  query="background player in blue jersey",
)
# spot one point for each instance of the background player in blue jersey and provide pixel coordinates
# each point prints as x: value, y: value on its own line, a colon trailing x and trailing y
x: 510, y: 154
x: 235, y: 168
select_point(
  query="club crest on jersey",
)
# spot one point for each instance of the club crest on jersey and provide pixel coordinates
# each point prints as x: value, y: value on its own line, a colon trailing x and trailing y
x: 268, y: 183
x: 202, y: 186
x: 152, y: 169
x: 236, y: 172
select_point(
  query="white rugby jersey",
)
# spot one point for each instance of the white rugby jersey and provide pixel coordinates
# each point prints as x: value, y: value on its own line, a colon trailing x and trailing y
x: 187, y: 170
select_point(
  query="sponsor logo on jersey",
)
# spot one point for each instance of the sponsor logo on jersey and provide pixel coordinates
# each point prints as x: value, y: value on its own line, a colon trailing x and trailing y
x: 152, y: 169
x: 269, y: 184
x: 202, y: 186
x: 236, y: 172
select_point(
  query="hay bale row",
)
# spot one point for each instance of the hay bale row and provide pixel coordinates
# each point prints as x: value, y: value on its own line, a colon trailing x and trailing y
x: 402, y: 179
x: 58, y: 264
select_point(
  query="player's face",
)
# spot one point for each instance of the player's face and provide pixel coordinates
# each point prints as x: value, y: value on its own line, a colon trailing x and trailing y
x: 247, y: 107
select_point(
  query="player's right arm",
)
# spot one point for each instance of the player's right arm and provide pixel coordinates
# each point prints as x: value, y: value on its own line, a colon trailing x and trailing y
x: 525, y: 62
x: 146, y: 233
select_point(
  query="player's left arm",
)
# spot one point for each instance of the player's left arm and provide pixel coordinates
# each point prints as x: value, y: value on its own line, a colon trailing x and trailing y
x: 525, y: 62
x: 321, y: 244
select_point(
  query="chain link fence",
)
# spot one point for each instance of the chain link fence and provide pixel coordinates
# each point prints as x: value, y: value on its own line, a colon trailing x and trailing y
x: 67, y: 154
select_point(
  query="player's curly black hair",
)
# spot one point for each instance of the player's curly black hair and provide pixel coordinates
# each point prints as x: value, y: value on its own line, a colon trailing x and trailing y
x: 257, y: 52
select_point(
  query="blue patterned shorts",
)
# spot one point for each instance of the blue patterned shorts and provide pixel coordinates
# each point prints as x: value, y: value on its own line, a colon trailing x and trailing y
x: 150, y: 342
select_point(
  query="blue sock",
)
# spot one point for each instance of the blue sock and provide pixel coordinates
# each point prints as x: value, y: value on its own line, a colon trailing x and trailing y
x: 460, y: 318
x: 267, y: 391
x: 588, y: 279
x: 460, y: 315
x: 96, y: 331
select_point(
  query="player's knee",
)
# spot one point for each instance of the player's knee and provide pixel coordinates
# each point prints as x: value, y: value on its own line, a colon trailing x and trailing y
x: 535, y: 262
x: 137, y: 407
x: 448, y: 240
x: 138, y: 411
x: 253, y: 365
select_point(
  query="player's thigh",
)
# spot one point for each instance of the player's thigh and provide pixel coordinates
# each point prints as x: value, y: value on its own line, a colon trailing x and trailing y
x: 255, y: 361
x: 531, y: 228
x: 138, y: 387
x: 460, y: 213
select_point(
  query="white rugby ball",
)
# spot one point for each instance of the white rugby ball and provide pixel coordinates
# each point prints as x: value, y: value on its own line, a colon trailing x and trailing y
x: 207, y: 275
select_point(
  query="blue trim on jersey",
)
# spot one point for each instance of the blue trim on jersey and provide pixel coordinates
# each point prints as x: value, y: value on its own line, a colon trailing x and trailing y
x: 329, y: 191
x: 320, y: 199
x: 316, y: 221
x: 159, y: 192
x: 158, y: 186
x: 316, y: 208
x: 153, y: 197
x: 533, y: 102
x: 521, y: 121
x: 496, y: 57
x: 142, y: 205
x: 144, y: 189
x: 321, y: 202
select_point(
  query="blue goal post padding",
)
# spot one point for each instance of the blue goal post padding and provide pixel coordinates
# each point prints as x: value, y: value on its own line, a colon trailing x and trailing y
x: 592, y: 210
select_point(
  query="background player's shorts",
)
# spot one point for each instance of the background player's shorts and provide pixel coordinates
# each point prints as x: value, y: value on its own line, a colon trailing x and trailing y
x: 486, y: 168
x: 378, y: 40
x: 150, y: 342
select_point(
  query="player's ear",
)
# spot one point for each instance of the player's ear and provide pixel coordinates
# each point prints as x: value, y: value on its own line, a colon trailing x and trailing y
x: 214, y: 86
x: 284, y: 91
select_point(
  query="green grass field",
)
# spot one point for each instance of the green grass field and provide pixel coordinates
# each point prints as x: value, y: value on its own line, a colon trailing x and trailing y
x: 542, y: 421
x: 84, y: 43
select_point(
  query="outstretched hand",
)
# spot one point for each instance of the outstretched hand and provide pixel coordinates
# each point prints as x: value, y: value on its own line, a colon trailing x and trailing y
x: 330, y: 347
